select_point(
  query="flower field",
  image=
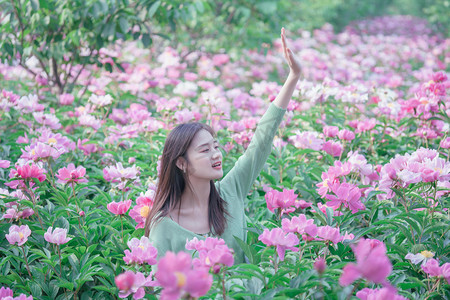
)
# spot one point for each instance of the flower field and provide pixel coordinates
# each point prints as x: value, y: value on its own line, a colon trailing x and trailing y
x: 352, y: 203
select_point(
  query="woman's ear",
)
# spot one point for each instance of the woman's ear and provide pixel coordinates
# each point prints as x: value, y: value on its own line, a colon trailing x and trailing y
x: 181, y: 164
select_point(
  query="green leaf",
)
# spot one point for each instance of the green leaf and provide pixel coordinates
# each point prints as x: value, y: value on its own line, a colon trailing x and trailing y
x: 146, y: 40
x: 124, y: 25
x: 153, y: 9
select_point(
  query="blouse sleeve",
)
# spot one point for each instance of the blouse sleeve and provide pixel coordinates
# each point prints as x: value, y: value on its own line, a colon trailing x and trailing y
x: 241, y: 177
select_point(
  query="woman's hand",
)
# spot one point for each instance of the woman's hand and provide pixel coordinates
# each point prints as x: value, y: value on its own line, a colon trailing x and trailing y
x: 292, y: 61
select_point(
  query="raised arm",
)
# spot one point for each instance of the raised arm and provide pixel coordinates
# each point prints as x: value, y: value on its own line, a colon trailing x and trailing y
x: 285, y: 95
x: 241, y: 177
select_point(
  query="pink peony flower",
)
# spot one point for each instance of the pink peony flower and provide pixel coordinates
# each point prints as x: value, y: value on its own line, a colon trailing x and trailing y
x: 133, y: 283
x: 5, y: 292
x: 66, y: 99
x: 18, y: 234
x: 387, y: 293
x: 306, y: 140
x: 345, y: 134
x: 282, y: 240
x: 49, y: 120
x: 4, y: 164
x: 445, y: 144
x: 140, y: 211
x: 431, y: 267
x: 70, y: 174
x: 39, y: 150
x: 281, y: 200
x: 57, y: 236
x: 213, y: 253
x: 328, y: 233
x: 371, y: 263
x: 330, y: 131
x: 347, y: 195
x: 333, y: 148
x: 26, y: 172
x: 178, y: 279
x: 119, y: 208
x: 141, y: 251
x: 320, y: 265
x: 300, y: 224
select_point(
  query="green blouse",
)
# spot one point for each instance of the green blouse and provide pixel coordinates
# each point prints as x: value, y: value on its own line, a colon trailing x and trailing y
x: 168, y: 235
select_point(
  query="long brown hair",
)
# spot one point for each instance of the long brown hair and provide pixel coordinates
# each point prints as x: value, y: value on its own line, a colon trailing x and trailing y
x: 172, y: 181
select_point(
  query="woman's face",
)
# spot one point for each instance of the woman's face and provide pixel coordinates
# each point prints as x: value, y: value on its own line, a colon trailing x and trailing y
x: 204, y: 157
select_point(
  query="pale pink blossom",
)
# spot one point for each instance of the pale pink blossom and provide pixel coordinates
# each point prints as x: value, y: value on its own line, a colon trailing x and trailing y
x: 4, y: 164
x: 57, y: 236
x: 306, y: 140
x: 346, y: 195
x: 49, y: 120
x: 330, y: 131
x: 280, y: 200
x: 18, y: 234
x: 140, y: 211
x: 142, y: 251
x: 387, y: 293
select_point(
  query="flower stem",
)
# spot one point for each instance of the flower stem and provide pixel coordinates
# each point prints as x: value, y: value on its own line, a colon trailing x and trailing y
x: 224, y: 294
x: 26, y: 262
x: 121, y: 222
x: 59, y: 253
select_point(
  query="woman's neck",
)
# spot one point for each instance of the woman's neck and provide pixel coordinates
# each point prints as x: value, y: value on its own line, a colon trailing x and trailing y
x: 196, y: 196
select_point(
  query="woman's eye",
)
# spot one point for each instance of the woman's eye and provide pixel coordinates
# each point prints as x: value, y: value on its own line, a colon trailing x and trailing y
x: 206, y: 150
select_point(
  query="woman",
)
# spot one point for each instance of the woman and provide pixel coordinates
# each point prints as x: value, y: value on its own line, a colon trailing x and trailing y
x: 188, y: 203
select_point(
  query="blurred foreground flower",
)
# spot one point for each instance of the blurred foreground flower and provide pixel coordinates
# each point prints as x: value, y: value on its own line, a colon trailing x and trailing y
x: 372, y: 263
x: 133, y: 283
x: 178, y: 278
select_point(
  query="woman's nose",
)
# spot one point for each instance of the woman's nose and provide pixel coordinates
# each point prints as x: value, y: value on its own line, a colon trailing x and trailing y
x: 216, y: 153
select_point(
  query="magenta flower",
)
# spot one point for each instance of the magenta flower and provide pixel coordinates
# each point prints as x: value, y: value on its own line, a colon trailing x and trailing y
x: 4, y: 164
x: 445, y: 144
x: 330, y: 131
x: 66, y: 99
x: 71, y: 174
x: 345, y: 134
x: 18, y: 234
x: 371, y: 263
x: 347, y: 195
x: 119, y: 208
x: 328, y: 233
x: 300, y: 224
x: 213, y: 253
x: 27, y: 172
x: 282, y: 240
x: 383, y: 293
x: 431, y: 267
x: 324, y: 187
x: 140, y: 211
x: 320, y: 265
x: 141, y: 251
x: 280, y: 200
x: 178, y: 279
x: 133, y: 283
x: 333, y: 148
x: 58, y: 236
x: 5, y: 292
